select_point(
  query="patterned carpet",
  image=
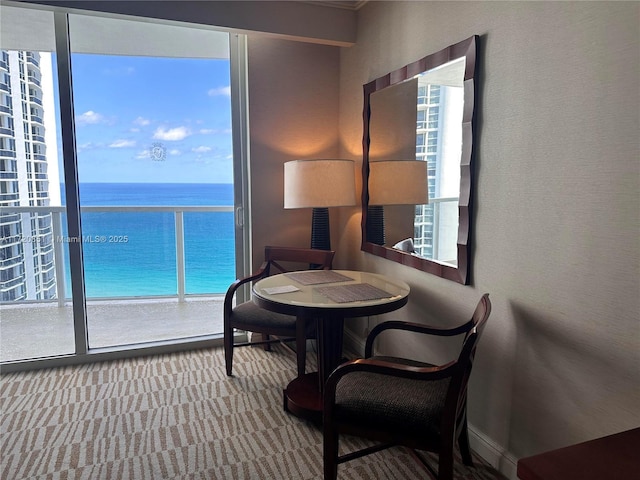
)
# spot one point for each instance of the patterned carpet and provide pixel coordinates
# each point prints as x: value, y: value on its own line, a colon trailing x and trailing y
x: 174, y: 416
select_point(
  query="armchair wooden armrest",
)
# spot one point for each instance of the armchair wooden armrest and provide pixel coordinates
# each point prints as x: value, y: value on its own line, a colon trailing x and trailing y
x: 413, y: 327
x: 231, y: 291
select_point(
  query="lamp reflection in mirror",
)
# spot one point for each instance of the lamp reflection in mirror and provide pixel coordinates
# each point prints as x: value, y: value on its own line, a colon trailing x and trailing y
x: 319, y: 184
x: 394, y: 182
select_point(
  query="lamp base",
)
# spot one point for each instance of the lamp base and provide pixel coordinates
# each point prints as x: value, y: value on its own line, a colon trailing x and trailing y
x: 375, y: 224
x: 320, y: 232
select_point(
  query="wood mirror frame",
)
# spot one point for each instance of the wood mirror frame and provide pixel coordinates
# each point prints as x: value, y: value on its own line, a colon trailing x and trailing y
x: 461, y: 271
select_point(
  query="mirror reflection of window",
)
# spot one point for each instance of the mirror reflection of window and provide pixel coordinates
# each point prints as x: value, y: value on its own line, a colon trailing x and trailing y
x: 421, y: 118
x: 440, y: 103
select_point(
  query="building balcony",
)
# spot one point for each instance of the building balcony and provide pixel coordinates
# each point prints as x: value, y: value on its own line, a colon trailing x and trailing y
x: 34, y: 328
x: 9, y: 197
x: 7, y: 285
x: 11, y: 262
x: 7, y: 219
x: 8, y: 153
x: 34, y: 81
x: 44, y: 329
x: 32, y: 59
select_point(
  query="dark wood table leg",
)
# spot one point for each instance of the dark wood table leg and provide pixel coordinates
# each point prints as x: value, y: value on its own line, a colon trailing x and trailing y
x: 303, y: 395
x: 330, y: 337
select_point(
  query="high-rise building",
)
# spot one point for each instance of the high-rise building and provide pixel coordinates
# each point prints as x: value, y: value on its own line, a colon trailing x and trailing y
x: 438, y: 142
x: 28, y: 176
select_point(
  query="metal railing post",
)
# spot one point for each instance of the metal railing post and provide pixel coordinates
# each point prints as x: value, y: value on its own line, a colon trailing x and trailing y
x: 58, y: 255
x: 180, y: 263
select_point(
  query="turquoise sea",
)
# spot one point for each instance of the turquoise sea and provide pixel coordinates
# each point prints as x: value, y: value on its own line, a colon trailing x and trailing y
x: 134, y: 253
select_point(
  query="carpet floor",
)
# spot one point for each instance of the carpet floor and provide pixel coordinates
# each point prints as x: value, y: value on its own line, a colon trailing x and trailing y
x: 175, y: 416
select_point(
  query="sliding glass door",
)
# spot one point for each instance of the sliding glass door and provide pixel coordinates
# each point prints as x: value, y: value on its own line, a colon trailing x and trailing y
x: 154, y: 147
x: 150, y: 176
x: 35, y: 306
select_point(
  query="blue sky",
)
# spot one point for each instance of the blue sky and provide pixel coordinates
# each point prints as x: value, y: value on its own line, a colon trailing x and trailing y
x: 150, y: 119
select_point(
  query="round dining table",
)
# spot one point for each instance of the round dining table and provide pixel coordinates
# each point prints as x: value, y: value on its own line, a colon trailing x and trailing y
x: 326, y: 297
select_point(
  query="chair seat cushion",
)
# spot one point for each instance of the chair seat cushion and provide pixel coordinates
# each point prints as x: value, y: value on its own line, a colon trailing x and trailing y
x: 250, y: 314
x: 395, y: 404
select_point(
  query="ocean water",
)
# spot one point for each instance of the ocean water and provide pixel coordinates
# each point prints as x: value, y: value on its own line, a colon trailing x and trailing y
x: 134, y: 254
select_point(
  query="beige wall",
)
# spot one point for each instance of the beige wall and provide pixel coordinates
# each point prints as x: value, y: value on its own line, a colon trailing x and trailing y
x: 556, y: 237
x: 293, y: 111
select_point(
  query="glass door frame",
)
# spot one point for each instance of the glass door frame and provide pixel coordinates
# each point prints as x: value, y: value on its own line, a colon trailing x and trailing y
x: 242, y: 225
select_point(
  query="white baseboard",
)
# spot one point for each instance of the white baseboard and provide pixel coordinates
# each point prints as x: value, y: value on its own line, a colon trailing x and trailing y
x: 487, y: 449
x: 493, y: 454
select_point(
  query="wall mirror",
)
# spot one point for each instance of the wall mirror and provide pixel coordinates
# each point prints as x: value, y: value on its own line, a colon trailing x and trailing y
x: 417, y: 162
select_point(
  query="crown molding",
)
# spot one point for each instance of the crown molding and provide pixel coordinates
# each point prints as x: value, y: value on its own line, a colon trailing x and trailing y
x: 344, y: 4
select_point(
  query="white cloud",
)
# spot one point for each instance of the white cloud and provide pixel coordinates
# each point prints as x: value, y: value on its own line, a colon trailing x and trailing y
x: 171, y: 134
x: 214, y: 131
x: 123, y: 144
x: 85, y: 146
x: 89, y: 118
x: 143, y: 155
x: 174, y: 151
x: 215, y: 92
x: 141, y: 121
x: 201, y: 149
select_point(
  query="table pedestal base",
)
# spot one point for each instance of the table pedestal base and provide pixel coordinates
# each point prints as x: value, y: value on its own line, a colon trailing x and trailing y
x: 303, y: 399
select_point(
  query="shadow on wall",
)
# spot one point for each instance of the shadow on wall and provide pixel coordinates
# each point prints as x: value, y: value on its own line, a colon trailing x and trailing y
x: 567, y: 380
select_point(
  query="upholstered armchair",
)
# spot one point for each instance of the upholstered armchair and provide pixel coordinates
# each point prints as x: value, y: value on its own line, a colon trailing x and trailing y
x: 249, y: 317
x: 399, y: 401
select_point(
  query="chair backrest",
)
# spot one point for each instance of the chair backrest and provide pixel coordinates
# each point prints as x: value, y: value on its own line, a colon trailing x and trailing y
x: 287, y: 259
x: 480, y: 316
x: 457, y: 394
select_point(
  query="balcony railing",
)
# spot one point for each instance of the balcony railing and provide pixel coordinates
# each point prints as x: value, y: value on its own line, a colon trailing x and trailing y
x: 34, y: 80
x: 32, y: 59
x: 60, y: 239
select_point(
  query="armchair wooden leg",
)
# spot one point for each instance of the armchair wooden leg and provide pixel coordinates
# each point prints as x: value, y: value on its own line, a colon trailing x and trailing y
x: 266, y: 338
x: 445, y: 465
x: 228, y: 350
x: 330, y: 452
x: 463, y: 443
